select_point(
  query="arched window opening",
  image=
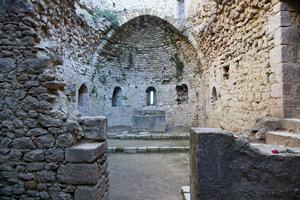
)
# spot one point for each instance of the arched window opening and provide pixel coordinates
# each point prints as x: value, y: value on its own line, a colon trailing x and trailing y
x: 83, y: 100
x: 151, y: 96
x: 182, y: 94
x: 180, y: 9
x: 117, y: 98
x: 214, y: 96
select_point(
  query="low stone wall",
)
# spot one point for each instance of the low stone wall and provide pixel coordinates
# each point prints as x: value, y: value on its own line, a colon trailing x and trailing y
x: 223, y: 167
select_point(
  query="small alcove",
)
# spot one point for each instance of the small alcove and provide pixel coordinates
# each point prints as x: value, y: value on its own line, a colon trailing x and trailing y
x: 151, y: 96
x: 117, y: 98
x: 83, y: 100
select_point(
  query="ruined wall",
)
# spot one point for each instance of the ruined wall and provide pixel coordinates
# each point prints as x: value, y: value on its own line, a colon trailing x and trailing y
x: 35, y: 133
x: 236, y: 38
x: 287, y: 54
x: 223, y: 167
x: 149, y: 52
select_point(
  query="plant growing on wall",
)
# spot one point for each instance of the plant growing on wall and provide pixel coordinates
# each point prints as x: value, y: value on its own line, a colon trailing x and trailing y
x: 108, y: 15
x: 103, y: 79
x: 178, y: 65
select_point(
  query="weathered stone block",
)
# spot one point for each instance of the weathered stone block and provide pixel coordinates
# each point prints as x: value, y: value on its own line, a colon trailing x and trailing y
x: 86, y: 152
x: 54, y: 155
x: 23, y: 143
x: 45, y: 141
x: 91, y: 193
x: 35, y: 155
x: 84, y: 174
x: 223, y: 167
x: 152, y: 121
x: 94, y: 128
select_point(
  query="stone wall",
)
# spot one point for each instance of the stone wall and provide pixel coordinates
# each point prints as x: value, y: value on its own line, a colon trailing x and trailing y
x: 223, y: 167
x: 236, y: 38
x: 149, y: 52
x: 287, y: 54
x: 35, y: 132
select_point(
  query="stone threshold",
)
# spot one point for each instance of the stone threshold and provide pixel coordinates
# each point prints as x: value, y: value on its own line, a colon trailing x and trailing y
x: 186, y: 192
x: 181, y: 136
x: 148, y: 149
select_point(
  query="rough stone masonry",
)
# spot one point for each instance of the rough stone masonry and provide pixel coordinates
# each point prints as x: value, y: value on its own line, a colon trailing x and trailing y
x: 238, y: 60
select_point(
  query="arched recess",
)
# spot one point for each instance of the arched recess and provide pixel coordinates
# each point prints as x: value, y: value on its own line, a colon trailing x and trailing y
x: 148, y: 51
x: 126, y: 18
x: 182, y: 94
x: 151, y: 96
x: 83, y: 100
x: 214, y: 94
x: 117, y: 97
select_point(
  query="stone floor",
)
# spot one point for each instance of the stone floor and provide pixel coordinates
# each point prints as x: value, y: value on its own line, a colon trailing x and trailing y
x: 148, y: 176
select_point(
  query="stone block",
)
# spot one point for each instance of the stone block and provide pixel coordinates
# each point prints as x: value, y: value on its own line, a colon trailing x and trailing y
x: 83, y: 174
x: 130, y: 149
x: 223, y: 167
x: 85, y: 152
x: 94, y: 128
x: 149, y: 121
x: 91, y: 193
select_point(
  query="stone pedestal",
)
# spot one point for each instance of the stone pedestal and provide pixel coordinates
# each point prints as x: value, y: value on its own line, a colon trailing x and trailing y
x: 149, y: 120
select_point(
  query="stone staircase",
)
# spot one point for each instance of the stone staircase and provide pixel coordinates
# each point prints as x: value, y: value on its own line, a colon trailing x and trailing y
x: 146, y: 142
x: 287, y: 135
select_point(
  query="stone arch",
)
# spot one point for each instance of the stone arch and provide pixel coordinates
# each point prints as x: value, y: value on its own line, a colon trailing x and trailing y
x: 151, y: 96
x: 124, y: 18
x: 83, y: 100
x: 117, y: 97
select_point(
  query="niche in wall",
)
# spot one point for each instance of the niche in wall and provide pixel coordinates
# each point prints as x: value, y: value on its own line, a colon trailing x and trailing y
x: 182, y: 94
x: 151, y: 99
x: 180, y: 9
x: 83, y: 100
x: 117, y: 98
x: 214, y: 95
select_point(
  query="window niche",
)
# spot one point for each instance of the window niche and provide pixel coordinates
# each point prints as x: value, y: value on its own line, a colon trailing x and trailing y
x: 180, y: 9
x: 117, y: 98
x: 83, y: 100
x: 151, y: 99
x: 182, y: 94
x: 226, y: 72
x: 214, y: 95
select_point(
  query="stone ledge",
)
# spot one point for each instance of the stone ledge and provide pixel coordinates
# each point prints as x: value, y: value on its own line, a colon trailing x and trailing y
x: 83, y: 174
x: 85, y: 152
x: 148, y: 149
x: 181, y: 136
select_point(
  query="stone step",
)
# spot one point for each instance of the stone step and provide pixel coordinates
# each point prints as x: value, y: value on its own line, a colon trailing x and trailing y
x: 283, y: 138
x: 291, y: 125
x: 181, y: 136
x: 148, y: 149
x: 186, y: 192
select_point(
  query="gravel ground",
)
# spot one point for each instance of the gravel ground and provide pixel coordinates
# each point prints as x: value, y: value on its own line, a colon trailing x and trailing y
x: 148, y: 176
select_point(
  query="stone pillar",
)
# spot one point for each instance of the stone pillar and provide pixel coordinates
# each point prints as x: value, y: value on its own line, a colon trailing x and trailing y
x: 85, y: 166
x: 285, y: 55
